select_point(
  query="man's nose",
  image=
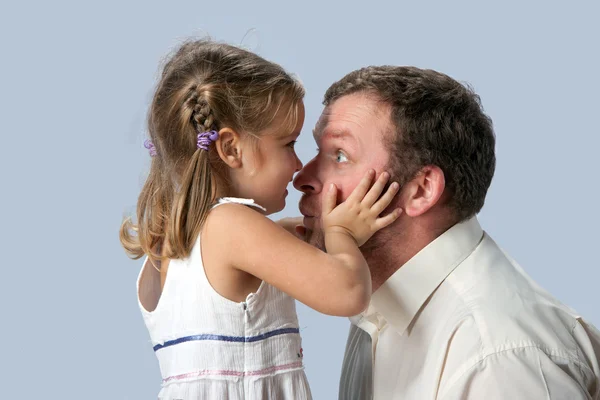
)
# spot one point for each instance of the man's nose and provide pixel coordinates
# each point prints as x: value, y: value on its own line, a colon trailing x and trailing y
x: 307, y: 180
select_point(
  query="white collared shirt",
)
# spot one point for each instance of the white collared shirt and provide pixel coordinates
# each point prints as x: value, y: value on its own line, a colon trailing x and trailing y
x: 461, y: 320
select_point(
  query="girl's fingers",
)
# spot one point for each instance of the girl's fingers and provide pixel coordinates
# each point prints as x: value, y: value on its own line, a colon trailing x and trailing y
x: 375, y: 191
x: 386, y: 199
x: 329, y: 199
x: 388, y: 219
x: 362, y: 188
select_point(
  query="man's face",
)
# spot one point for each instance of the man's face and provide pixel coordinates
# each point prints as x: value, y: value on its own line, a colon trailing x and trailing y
x: 350, y: 136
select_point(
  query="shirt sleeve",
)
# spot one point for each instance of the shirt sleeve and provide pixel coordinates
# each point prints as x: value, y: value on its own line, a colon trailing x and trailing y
x: 522, y: 373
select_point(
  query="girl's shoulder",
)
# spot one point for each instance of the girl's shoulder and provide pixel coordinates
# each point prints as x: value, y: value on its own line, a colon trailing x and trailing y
x: 230, y: 215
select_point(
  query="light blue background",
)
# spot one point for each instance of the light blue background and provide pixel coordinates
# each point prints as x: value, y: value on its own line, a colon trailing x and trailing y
x: 75, y: 81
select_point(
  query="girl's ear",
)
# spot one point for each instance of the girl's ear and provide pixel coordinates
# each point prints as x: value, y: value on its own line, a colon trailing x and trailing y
x: 229, y: 147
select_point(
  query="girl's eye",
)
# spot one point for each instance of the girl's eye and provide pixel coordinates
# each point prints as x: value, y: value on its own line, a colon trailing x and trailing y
x: 291, y: 144
x: 340, y: 157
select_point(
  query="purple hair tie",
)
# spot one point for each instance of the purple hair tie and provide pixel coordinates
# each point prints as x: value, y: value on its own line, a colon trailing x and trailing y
x: 206, y: 138
x: 150, y: 146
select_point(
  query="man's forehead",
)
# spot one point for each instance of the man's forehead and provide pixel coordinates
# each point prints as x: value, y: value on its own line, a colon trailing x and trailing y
x: 345, y: 116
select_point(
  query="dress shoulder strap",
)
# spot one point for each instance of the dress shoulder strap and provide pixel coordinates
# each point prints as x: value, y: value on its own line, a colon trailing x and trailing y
x: 236, y: 200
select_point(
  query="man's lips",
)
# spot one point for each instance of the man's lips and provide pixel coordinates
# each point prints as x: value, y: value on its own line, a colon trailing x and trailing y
x: 309, y: 218
x: 308, y: 213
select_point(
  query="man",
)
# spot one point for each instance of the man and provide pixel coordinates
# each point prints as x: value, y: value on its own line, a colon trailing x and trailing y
x: 451, y: 316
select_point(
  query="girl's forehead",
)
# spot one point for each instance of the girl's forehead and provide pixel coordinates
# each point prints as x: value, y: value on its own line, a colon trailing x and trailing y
x: 288, y: 122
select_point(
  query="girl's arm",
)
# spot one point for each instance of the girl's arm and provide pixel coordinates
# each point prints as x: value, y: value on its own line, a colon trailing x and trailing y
x: 337, y: 282
x: 290, y: 224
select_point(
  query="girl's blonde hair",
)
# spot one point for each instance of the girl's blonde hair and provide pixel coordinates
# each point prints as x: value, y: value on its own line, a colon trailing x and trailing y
x: 204, y: 85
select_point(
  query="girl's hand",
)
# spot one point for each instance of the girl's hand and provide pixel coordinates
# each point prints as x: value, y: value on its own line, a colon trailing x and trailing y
x: 358, y: 216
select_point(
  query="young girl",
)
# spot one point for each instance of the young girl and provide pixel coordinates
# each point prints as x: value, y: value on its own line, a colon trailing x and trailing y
x: 217, y: 287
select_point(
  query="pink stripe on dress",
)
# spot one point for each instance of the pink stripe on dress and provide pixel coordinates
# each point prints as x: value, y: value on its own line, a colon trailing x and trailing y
x: 265, y: 371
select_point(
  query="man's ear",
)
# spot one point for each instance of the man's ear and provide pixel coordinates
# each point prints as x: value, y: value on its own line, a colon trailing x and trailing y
x: 229, y: 147
x: 423, y: 191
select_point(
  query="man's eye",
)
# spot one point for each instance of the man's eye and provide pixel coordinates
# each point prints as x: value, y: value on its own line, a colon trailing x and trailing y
x: 341, y: 157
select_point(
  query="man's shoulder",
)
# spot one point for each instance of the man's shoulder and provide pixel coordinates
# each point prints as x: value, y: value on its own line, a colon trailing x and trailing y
x: 513, y: 331
x: 506, y: 308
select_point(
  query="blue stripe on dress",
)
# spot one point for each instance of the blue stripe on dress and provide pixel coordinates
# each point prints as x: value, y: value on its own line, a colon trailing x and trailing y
x: 242, y: 339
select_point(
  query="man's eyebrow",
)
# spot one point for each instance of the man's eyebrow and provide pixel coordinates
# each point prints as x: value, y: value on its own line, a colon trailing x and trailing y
x: 330, y: 133
x: 339, y: 134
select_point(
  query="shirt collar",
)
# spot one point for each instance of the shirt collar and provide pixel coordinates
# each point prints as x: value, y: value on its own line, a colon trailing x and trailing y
x: 400, y: 298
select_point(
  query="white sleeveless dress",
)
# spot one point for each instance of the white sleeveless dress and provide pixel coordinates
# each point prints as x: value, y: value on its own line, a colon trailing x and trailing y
x: 209, y: 347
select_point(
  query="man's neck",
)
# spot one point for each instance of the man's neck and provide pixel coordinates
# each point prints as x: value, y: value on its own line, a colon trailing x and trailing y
x: 391, y: 248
